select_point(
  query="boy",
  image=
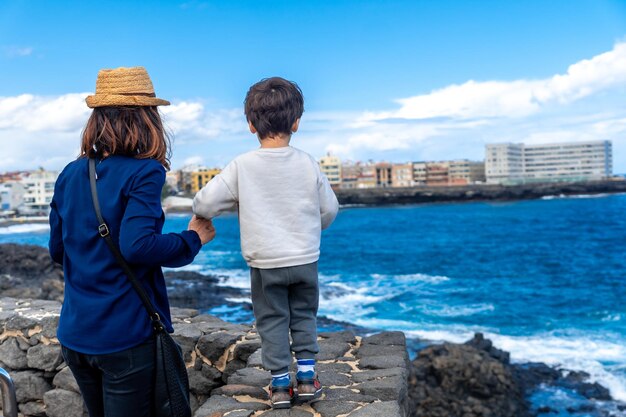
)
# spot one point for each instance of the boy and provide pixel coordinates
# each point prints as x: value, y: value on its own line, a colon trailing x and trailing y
x: 284, y: 202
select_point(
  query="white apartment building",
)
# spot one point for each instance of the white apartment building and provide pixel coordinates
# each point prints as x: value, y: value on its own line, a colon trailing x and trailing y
x: 38, y: 190
x: 571, y: 161
x: 331, y: 167
x: 504, y: 163
x: 11, y: 195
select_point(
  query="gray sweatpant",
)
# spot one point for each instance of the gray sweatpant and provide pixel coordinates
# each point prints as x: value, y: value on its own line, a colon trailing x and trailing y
x: 283, y: 300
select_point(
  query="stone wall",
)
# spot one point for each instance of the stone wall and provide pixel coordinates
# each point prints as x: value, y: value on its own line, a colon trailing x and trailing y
x: 363, y: 376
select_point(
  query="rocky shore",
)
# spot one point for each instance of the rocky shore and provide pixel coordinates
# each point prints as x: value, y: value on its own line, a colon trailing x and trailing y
x: 367, y: 374
x: 475, y: 192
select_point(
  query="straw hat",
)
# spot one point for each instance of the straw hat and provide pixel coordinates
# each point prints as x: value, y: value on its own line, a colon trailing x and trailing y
x: 124, y: 87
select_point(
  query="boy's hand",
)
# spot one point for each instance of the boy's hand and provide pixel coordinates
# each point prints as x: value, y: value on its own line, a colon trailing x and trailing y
x: 203, y: 227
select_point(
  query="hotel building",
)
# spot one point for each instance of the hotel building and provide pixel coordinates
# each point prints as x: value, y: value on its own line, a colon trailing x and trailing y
x: 513, y: 163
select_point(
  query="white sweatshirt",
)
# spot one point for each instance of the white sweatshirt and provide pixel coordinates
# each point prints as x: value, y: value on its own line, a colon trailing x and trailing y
x: 284, y: 202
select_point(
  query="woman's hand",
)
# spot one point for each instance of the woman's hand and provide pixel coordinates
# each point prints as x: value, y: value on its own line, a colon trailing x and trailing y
x: 203, y: 227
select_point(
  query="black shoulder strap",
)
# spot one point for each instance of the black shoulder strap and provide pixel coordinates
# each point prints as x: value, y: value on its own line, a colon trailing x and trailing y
x: 103, y: 231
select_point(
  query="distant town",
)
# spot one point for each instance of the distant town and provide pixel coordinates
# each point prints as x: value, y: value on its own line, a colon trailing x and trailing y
x: 28, y: 193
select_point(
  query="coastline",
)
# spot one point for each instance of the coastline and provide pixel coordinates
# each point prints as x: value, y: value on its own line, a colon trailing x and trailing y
x: 369, y: 197
x: 28, y: 272
x: 475, y: 192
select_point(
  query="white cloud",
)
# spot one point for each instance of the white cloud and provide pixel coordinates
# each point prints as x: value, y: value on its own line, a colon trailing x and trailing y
x: 518, y: 98
x: 39, y: 113
x: 45, y: 130
x: 194, y: 160
x: 191, y: 121
x: 585, y: 102
x: 17, y: 51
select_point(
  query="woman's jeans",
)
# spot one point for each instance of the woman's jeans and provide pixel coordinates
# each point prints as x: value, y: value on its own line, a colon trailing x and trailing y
x: 116, y: 384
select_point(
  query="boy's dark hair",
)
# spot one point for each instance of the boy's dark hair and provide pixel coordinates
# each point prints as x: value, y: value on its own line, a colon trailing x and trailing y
x: 273, y: 105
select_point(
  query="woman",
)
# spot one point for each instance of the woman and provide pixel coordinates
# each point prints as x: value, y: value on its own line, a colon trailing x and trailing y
x: 104, y: 330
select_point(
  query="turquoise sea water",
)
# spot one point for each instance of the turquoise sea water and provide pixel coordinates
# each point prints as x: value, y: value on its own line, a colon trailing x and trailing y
x: 544, y: 279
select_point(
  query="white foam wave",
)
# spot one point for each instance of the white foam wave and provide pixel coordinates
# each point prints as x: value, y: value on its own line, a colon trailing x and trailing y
x: 429, y: 279
x: 457, y: 311
x: 190, y: 267
x: 24, y: 228
x: 220, y: 252
x: 612, y: 317
x: 237, y: 300
x: 236, y: 278
x: 560, y: 196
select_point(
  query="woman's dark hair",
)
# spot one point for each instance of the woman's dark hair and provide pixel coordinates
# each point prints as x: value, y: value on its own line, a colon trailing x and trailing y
x: 130, y: 131
x: 273, y: 105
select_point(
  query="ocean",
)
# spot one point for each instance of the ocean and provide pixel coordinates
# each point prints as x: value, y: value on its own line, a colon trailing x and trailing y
x: 544, y: 279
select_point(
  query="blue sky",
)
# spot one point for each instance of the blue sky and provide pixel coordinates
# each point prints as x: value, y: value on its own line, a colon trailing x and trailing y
x: 353, y: 59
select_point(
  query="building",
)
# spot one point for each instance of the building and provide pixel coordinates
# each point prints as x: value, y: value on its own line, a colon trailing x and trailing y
x: 202, y: 176
x: 437, y: 174
x: 383, y: 174
x: 173, y: 180
x: 477, y: 172
x: 350, y: 172
x: 463, y: 172
x: 11, y: 196
x: 38, y: 190
x: 574, y: 161
x: 511, y: 163
x: 446, y: 173
x: 419, y: 173
x: 185, y: 182
x: 504, y: 163
x: 11, y: 176
x: 402, y: 175
x: 367, y: 178
x: 331, y: 167
x: 357, y: 175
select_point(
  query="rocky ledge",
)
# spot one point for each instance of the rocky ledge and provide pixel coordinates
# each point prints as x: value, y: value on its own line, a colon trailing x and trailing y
x: 363, y: 376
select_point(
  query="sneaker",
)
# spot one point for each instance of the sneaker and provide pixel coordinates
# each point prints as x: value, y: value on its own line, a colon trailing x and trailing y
x: 308, y: 388
x: 281, y: 397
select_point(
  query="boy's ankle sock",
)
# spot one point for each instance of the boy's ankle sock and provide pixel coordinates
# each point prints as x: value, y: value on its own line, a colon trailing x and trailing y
x: 306, y: 368
x: 281, y: 379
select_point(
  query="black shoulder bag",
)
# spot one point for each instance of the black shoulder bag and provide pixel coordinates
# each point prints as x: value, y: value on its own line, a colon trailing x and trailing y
x: 171, y: 389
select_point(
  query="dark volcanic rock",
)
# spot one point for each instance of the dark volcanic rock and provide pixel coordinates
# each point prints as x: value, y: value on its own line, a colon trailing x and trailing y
x: 192, y: 290
x: 480, y: 343
x: 577, y: 381
x: 27, y: 271
x: 474, y: 192
x: 451, y: 379
x: 531, y: 375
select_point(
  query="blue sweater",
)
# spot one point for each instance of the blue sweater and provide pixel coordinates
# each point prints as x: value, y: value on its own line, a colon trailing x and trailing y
x: 101, y: 311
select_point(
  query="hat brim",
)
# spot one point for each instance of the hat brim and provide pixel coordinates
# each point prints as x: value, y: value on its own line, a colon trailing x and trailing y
x: 102, y: 100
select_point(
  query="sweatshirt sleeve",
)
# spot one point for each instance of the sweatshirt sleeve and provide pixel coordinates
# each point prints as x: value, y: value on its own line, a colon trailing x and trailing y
x: 219, y: 195
x: 329, y: 206
x: 55, y: 244
x: 140, y: 242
